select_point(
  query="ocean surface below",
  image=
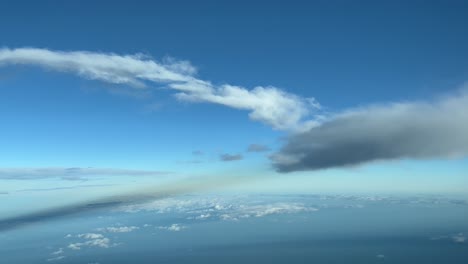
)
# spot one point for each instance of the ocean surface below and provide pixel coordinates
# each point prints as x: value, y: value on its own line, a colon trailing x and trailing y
x: 252, y: 229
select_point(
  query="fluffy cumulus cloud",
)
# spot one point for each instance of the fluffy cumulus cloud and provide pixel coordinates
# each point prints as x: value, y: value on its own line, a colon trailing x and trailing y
x: 70, y: 173
x: 266, y: 104
x: 417, y: 130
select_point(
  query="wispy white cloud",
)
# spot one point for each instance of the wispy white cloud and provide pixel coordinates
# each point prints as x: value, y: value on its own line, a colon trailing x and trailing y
x: 267, y: 104
x: 58, y: 252
x: 459, y: 238
x: 119, y: 229
x: 57, y: 255
x: 56, y: 258
x: 173, y: 227
x: 70, y: 173
x: 108, y: 67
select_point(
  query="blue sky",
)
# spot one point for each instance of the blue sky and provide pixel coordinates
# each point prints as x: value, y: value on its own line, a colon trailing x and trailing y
x: 344, y: 54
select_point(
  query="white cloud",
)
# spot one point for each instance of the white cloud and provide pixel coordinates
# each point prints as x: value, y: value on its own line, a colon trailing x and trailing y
x: 75, y: 246
x: 108, y: 67
x: 56, y: 258
x: 75, y: 173
x: 120, y: 229
x: 91, y: 240
x: 269, y: 104
x: 275, y: 208
x: 232, y: 208
x: 203, y: 216
x: 58, y: 252
x: 90, y: 236
x: 459, y: 238
x: 173, y: 227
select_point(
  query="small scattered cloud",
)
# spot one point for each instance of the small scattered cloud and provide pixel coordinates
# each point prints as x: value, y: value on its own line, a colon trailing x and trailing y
x: 173, y: 227
x: 230, y: 157
x: 380, y: 256
x: 57, y: 255
x: 459, y: 238
x: 60, y: 251
x: 56, y: 258
x: 119, y: 229
x: 203, y: 216
x: 258, y: 148
x: 90, y: 236
x: 91, y: 240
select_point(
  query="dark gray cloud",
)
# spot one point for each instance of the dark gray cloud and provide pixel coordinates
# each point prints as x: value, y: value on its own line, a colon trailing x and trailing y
x: 71, y: 174
x: 415, y: 130
x: 257, y: 148
x: 230, y: 157
x: 3, y: 193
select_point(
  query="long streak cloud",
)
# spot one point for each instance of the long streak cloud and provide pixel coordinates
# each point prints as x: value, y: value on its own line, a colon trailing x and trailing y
x: 269, y: 105
x: 184, y: 186
x: 75, y: 173
x: 415, y: 130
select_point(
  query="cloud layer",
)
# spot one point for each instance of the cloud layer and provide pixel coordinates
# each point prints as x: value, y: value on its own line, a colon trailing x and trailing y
x: 269, y: 105
x: 416, y: 130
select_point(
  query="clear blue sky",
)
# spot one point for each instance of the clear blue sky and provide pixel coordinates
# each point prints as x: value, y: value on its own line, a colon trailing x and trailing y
x: 345, y: 54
